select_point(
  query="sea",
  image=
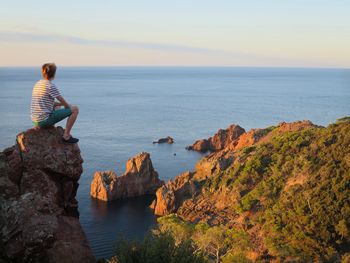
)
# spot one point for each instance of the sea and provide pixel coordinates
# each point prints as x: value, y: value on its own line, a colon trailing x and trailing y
x: 124, y: 109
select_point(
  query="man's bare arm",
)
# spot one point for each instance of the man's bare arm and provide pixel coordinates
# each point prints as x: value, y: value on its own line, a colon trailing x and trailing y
x: 63, y: 102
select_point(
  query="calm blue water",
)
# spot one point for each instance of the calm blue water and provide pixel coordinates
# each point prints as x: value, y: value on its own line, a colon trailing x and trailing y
x: 122, y: 110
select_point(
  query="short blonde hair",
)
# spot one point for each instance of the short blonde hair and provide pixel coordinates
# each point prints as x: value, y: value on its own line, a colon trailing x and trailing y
x: 48, y: 70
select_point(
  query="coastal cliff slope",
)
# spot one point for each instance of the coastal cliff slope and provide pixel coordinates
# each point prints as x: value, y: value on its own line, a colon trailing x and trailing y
x: 285, y: 187
x: 39, y: 220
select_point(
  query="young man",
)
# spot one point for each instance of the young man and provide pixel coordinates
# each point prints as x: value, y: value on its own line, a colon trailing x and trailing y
x: 43, y: 107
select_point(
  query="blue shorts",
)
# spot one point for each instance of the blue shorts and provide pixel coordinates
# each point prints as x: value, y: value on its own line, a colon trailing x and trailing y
x: 55, y: 116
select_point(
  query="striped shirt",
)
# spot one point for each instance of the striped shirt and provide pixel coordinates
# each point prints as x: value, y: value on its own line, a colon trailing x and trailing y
x: 43, y: 97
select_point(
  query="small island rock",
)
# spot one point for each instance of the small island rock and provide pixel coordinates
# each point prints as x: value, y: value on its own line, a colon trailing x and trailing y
x: 140, y: 178
x: 167, y: 140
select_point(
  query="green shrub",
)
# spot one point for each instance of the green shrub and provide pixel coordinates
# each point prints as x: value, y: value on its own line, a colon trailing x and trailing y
x: 156, y: 248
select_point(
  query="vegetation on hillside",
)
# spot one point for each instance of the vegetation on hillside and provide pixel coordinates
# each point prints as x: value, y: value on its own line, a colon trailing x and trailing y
x: 298, y: 186
x: 158, y: 247
x: 344, y: 119
x: 294, y: 192
x: 217, y: 243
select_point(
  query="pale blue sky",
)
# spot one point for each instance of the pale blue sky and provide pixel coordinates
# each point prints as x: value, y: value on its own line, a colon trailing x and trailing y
x: 289, y: 33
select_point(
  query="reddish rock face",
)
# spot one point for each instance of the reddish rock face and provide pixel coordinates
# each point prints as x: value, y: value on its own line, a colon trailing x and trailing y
x: 140, y: 178
x: 38, y: 217
x: 219, y: 141
x: 170, y: 196
x: 100, y: 185
x: 200, y: 146
x: 226, y: 137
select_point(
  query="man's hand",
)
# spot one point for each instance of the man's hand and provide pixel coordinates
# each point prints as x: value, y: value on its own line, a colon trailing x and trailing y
x: 58, y: 104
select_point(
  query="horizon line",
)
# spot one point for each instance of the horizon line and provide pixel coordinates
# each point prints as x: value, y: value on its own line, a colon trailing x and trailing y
x: 179, y: 66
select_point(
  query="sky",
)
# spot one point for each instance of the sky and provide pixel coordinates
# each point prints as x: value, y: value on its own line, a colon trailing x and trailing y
x: 249, y: 33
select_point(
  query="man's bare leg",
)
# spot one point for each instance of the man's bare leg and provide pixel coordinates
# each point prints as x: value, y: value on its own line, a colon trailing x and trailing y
x: 70, y: 122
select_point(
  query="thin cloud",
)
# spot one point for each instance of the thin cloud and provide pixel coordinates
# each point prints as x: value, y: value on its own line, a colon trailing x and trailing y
x: 11, y: 36
x: 7, y: 36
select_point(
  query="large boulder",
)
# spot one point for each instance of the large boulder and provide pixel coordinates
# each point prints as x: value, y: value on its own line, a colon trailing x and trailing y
x: 202, y: 145
x: 140, y: 178
x: 39, y: 219
x: 219, y: 141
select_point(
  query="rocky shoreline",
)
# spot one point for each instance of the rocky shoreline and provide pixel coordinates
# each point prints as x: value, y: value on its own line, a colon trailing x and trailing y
x: 222, y: 147
x: 232, y: 186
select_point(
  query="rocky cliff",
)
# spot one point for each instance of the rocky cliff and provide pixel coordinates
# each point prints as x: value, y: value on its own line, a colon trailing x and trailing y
x: 285, y: 187
x: 235, y: 137
x: 224, y: 146
x: 140, y: 178
x: 39, y: 219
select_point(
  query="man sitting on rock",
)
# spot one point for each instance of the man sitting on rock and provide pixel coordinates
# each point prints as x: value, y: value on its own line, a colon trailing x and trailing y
x: 45, y: 111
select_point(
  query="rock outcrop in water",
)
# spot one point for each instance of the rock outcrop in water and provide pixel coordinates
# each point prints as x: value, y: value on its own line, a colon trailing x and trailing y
x: 167, y: 140
x: 140, y: 178
x: 39, y: 217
